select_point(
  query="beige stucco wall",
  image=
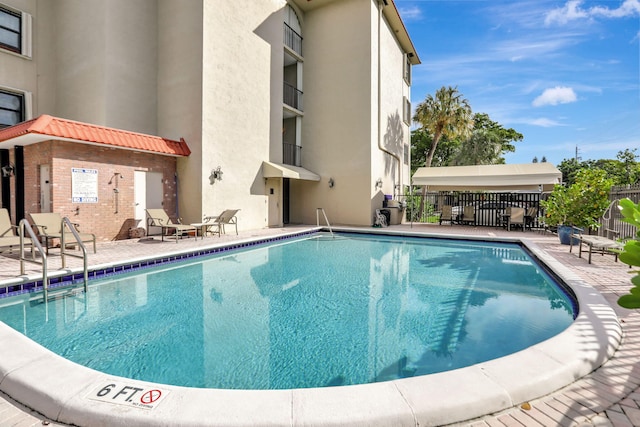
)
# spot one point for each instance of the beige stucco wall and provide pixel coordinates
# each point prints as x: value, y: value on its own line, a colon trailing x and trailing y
x: 105, y: 62
x: 345, y: 122
x: 180, y: 112
x: 242, y: 73
x: 336, y: 130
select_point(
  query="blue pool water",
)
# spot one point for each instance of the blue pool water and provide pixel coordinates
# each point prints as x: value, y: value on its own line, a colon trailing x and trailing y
x: 309, y: 312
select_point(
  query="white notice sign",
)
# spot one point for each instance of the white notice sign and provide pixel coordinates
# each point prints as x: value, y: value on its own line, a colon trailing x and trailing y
x: 84, y: 185
x: 137, y: 396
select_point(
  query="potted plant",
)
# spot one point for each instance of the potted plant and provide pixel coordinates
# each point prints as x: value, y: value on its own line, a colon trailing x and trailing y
x: 579, y: 206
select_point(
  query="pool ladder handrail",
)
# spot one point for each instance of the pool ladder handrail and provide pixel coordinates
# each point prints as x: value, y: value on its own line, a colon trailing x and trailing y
x: 85, y: 263
x: 25, y: 225
x: 324, y: 214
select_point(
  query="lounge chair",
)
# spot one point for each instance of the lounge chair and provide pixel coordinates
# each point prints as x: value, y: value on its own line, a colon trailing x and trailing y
x: 516, y: 217
x: 600, y: 244
x: 8, y: 236
x: 226, y: 217
x: 468, y: 215
x: 446, y: 214
x: 159, y: 218
x: 50, y: 226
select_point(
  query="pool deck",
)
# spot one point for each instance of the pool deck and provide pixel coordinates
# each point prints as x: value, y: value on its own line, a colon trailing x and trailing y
x: 609, y: 396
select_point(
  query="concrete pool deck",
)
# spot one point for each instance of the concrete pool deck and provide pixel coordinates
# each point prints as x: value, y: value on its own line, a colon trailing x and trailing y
x: 606, y: 396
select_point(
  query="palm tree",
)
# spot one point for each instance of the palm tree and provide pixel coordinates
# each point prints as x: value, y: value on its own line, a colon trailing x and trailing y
x: 447, y: 114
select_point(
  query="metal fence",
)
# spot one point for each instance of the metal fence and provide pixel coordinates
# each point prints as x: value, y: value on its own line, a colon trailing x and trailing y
x: 611, y: 224
x: 488, y: 207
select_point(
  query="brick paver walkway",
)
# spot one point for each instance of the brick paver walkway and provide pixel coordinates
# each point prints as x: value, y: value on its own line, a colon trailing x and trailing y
x: 610, y: 396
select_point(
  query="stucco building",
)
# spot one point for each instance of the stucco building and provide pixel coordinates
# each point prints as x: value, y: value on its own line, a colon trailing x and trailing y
x: 295, y: 104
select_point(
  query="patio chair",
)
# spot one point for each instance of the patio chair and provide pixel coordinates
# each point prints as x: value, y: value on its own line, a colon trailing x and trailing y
x: 8, y: 236
x: 159, y: 218
x: 226, y: 217
x: 468, y: 215
x: 515, y: 217
x: 531, y: 217
x: 447, y: 214
x: 50, y: 227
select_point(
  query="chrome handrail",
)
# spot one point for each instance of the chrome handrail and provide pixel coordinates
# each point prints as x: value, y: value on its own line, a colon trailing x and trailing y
x: 67, y: 223
x: 34, y: 241
x: 318, y: 210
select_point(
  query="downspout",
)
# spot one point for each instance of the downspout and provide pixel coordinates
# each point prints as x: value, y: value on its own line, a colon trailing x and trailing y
x: 381, y: 5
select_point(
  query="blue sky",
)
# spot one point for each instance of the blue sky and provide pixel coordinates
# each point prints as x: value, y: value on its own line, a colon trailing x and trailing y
x: 565, y: 74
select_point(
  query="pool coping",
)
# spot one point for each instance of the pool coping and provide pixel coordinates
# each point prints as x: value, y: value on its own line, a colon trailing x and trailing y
x: 436, y: 399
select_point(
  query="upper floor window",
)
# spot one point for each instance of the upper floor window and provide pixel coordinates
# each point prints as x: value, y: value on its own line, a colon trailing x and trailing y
x: 292, y: 30
x: 10, y: 30
x: 12, y: 108
x: 407, y: 69
x: 406, y: 111
x: 15, y: 31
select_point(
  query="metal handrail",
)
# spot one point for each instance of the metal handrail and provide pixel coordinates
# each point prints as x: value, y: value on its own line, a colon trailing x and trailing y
x: 318, y: 210
x: 34, y: 241
x: 66, y: 222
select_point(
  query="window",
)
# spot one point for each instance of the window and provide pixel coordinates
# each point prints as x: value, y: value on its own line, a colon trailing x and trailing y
x: 15, y: 31
x: 406, y: 111
x: 407, y: 69
x: 407, y: 153
x: 12, y: 108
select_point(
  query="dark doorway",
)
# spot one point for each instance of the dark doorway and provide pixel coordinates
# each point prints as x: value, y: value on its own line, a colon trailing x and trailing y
x: 285, y: 200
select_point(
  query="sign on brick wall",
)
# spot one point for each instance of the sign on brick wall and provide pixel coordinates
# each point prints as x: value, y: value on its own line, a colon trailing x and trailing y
x: 84, y: 185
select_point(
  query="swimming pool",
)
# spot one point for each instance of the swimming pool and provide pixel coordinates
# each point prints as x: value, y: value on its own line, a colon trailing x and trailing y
x: 70, y: 393
x: 313, y: 311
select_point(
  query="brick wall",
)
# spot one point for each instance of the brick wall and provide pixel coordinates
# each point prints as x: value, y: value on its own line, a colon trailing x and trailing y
x: 112, y: 216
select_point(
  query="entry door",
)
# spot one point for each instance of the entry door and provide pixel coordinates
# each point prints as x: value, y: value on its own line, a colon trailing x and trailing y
x: 148, y: 194
x: 45, y: 188
x: 273, y: 192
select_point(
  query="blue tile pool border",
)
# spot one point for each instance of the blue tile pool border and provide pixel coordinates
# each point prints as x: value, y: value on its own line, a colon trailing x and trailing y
x: 77, y: 278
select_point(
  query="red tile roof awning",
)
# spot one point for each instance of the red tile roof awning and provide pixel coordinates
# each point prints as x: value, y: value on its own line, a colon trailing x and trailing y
x: 45, y: 128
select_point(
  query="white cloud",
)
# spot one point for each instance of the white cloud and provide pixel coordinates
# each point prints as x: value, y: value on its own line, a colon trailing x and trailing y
x: 413, y: 13
x: 569, y: 12
x: 544, y: 122
x: 555, y: 96
x: 572, y: 10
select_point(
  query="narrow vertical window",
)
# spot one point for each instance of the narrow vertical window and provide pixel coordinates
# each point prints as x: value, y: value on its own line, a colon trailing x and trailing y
x: 407, y: 69
x: 406, y: 111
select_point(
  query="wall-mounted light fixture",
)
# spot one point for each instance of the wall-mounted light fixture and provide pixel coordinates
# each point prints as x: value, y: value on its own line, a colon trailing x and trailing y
x: 331, y: 182
x: 378, y: 184
x: 8, y: 170
x: 216, y: 175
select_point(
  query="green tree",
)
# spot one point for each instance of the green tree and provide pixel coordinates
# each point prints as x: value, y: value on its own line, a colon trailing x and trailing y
x: 631, y: 169
x: 488, y: 142
x: 447, y: 114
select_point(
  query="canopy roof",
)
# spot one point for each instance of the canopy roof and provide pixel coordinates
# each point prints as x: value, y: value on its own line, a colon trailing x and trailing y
x: 45, y: 127
x: 275, y: 170
x: 526, y: 176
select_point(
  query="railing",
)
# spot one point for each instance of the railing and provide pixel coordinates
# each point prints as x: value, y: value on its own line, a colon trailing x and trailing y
x: 66, y: 223
x: 291, y: 154
x: 324, y: 214
x: 22, y: 226
x: 611, y: 222
x: 292, y: 40
x: 292, y: 96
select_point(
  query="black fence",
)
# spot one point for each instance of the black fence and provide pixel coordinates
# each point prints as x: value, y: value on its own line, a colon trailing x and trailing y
x: 488, y: 207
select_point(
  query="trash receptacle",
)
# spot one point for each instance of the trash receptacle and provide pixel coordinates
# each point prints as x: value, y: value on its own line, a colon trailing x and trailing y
x: 387, y: 215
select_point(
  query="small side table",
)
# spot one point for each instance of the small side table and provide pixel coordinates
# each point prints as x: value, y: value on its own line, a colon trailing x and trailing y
x: 204, y: 228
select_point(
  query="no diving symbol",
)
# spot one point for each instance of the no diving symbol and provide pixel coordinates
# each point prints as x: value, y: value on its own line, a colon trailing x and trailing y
x: 150, y: 397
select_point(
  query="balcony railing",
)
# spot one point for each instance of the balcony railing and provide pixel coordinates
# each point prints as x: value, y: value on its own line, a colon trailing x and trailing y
x: 292, y: 96
x: 291, y: 154
x: 292, y: 40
